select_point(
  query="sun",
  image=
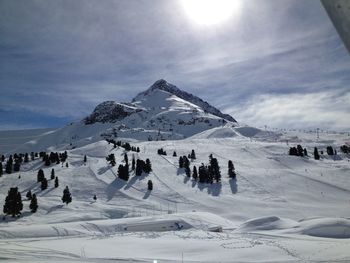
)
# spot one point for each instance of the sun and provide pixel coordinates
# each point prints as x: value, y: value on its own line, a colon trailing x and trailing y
x: 210, y: 12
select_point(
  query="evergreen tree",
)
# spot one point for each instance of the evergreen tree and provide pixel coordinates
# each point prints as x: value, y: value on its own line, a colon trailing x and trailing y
x: 174, y: 154
x: 181, y: 162
x: 305, y: 152
x: 111, y: 159
x: 123, y: 172
x: 13, y: 202
x: 149, y: 185
x: 17, y: 165
x: 26, y: 158
x: 138, y: 149
x: 1, y: 171
x: 139, y: 167
x: 194, y: 173
x: 126, y: 160
x: 67, y: 165
x: 44, y: 184
x: 95, y: 197
x: 147, y: 167
x: 293, y: 151
x: 215, y: 169
x: 231, y: 170
x: 316, y: 154
x: 210, y: 175
x: 2, y: 158
x: 52, y: 174
x: 193, y: 155
x: 85, y: 159
x: 47, y: 160
x: 300, y: 150
x: 29, y: 195
x: 56, y: 182
x: 33, y: 204
x: 133, y: 163
x: 8, y: 167
x: 330, y: 150
x: 186, y: 163
x: 202, y: 174
x: 188, y: 171
x: 40, y: 175
x: 67, y: 197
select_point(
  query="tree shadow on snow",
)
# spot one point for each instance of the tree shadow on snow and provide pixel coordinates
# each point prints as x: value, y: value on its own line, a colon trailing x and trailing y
x: 54, y: 208
x: 212, y: 189
x: 186, y: 179
x: 147, y: 194
x: 134, y: 179
x: 114, y: 187
x: 194, y: 182
x: 9, y: 218
x: 233, y: 185
x: 180, y: 171
x: 102, y: 170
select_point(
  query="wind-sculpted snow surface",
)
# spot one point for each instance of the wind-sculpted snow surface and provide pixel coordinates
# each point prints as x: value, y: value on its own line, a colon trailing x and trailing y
x: 281, y: 208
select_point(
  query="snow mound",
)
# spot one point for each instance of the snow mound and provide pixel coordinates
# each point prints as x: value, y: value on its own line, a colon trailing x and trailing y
x: 326, y: 227
x: 248, y: 131
x: 161, y: 223
x: 267, y: 223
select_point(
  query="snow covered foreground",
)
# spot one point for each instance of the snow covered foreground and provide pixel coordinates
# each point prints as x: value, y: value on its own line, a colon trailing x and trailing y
x: 281, y: 209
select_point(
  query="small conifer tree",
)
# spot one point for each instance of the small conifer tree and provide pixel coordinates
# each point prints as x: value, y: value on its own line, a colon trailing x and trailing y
x: 33, y: 204
x: 316, y: 154
x: 150, y: 185
x: 56, y: 182
x: 44, y: 184
x: 40, y: 175
x: 194, y: 173
x: 29, y: 195
x: 13, y: 202
x: 193, y: 155
x: 148, y: 167
x: 133, y: 163
x: 67, y: 197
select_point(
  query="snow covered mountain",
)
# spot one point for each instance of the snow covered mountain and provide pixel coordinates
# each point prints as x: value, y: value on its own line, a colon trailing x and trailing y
x: 161, y: 112
x: 165, y: 86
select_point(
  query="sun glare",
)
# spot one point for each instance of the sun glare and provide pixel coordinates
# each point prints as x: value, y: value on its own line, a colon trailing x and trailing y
x: 210, y: 12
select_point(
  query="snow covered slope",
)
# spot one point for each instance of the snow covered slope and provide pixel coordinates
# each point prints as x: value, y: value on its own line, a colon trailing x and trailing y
x: 281, y: 208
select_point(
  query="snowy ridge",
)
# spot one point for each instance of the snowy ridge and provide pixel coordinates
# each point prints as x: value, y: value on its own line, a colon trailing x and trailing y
x: 164, y: 85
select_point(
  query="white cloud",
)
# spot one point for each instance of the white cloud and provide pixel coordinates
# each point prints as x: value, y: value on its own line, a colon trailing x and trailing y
x: 327, y: 110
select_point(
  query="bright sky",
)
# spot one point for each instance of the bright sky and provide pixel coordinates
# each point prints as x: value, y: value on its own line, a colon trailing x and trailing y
x: 266, y: 62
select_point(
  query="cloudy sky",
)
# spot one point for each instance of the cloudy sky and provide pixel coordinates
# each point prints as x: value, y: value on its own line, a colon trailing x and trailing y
x: 276, y: 63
